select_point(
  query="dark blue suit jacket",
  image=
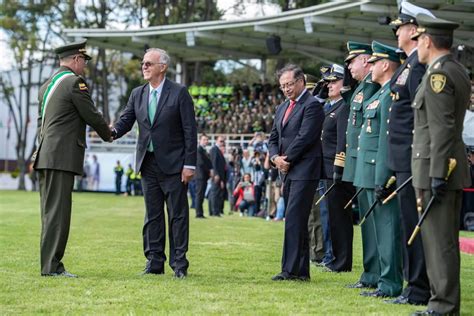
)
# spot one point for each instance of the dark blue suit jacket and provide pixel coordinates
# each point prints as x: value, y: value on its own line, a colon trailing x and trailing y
x: 173, y: 130
x: 299, y: 138
x: 403, y: 86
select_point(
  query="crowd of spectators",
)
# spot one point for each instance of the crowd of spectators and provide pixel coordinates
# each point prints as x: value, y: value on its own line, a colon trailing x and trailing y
x: 253, y: 188
x: 235, y: 109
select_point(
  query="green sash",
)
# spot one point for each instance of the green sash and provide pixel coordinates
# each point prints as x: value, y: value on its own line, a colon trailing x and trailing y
x: 57, y: 79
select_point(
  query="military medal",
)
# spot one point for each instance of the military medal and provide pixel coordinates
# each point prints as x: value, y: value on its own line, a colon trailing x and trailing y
x: 369, y: 128
x: 359, y: 97
x: 402, y: 79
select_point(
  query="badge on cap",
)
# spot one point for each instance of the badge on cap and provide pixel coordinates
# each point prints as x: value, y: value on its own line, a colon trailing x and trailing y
x: 437, y: 82
x: 82, y: 87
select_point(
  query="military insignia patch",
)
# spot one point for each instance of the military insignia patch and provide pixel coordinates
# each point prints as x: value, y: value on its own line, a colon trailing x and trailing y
x: 359, y: 97
x: 437, y: 82
x: 402, y: 79
x: 82, y: 86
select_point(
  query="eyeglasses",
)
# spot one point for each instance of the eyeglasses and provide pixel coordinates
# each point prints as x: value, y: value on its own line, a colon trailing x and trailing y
x: 287, y: 85
x: 86, y: 61
x: 147, y: 64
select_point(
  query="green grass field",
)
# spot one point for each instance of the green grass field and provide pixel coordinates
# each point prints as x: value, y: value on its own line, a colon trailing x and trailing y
x: 231, y: 262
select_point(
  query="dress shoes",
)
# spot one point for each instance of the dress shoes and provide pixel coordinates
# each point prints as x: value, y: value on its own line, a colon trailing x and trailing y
x: 403, y: 300
x: 288, y: 277
x: 151, y: 271
x: 180, y: 274
x: 430, y: 312
x: 360, y: 285
x: 376, y: 293
x: 60, y: 274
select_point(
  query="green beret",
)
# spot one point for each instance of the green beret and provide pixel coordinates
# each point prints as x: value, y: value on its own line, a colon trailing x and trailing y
x: 356, y: 49
x: 434, y: 26
x: 382, y: 51
x: 73, y: 49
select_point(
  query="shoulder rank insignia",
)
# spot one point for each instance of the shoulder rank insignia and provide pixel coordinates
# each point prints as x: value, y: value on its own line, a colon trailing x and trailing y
x: 359, y: 97
x: 373, y: 105
x: 82, y: 86
x: 402, y: 79
x: 437, y: 82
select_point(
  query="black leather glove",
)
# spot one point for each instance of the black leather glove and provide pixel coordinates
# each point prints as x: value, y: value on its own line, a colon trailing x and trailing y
x: 337, y: 177
x: 439, y: 187
x: 348, y: 81
x: 324, y: 91
x: 317, y: 87
x: 381, y: 192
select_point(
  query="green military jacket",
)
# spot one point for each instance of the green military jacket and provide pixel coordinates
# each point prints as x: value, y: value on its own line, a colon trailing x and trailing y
x: 371, y: 165
x: 355, y: 99
x: 62, y: 123
x: 440, y: 105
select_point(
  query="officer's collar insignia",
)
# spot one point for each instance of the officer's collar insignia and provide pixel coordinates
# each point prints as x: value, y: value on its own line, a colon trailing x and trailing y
x: 437, y: 82
x: 402, y: 79
x: 373, y: 105
x: 332, y: 115
x: 359, y: 97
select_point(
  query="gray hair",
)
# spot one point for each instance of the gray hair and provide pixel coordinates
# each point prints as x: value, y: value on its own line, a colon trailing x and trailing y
x: 297, y: 71
x: 164, y: 57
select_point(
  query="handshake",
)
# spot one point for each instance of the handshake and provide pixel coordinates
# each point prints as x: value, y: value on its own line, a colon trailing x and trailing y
x: 113, y: 134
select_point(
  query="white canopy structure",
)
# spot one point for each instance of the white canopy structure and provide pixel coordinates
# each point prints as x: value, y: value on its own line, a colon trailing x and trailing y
x: 318, y: 32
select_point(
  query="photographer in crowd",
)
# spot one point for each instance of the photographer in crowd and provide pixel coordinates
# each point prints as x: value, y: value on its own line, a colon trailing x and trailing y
x: 244, y: 193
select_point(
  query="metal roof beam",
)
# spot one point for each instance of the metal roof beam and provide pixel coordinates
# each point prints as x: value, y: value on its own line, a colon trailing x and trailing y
x: 229, y: 53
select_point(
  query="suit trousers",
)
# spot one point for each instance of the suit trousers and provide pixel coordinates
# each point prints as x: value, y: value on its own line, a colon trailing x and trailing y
x: 201, y: 185
x: 414, y: 268
x: 440, y: 232
x: 298, y: 195
x: 387, y: 235
x: 159, y: 188
x: 340, y: 222
x: 56, y: 200
x: 315, y: 230
x: 370, y: 254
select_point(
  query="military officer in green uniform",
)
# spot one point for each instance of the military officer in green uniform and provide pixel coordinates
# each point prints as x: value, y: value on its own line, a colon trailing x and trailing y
x: 359, y: 69
x: 373, y: 174
x: 440, y: 105
x: 65, y: 107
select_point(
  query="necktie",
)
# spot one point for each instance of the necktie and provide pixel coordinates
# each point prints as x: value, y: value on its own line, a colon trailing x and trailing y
x: 288, y: 111
x: 151, y: 112
x: 327, y: 107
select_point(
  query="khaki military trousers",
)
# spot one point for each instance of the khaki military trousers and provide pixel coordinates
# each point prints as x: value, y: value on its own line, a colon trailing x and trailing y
x: 55, y: 195
x: 440, y: 233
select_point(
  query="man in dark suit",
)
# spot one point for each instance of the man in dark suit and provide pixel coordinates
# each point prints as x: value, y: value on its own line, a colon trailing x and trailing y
x: 65, y: 107
x: 440, y: 105
x: 403, y: 86
x: 203, y: 171
x: 334, y: 154
x: 219, y: 178
x: 166, y: 158
x: 295, y: 149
